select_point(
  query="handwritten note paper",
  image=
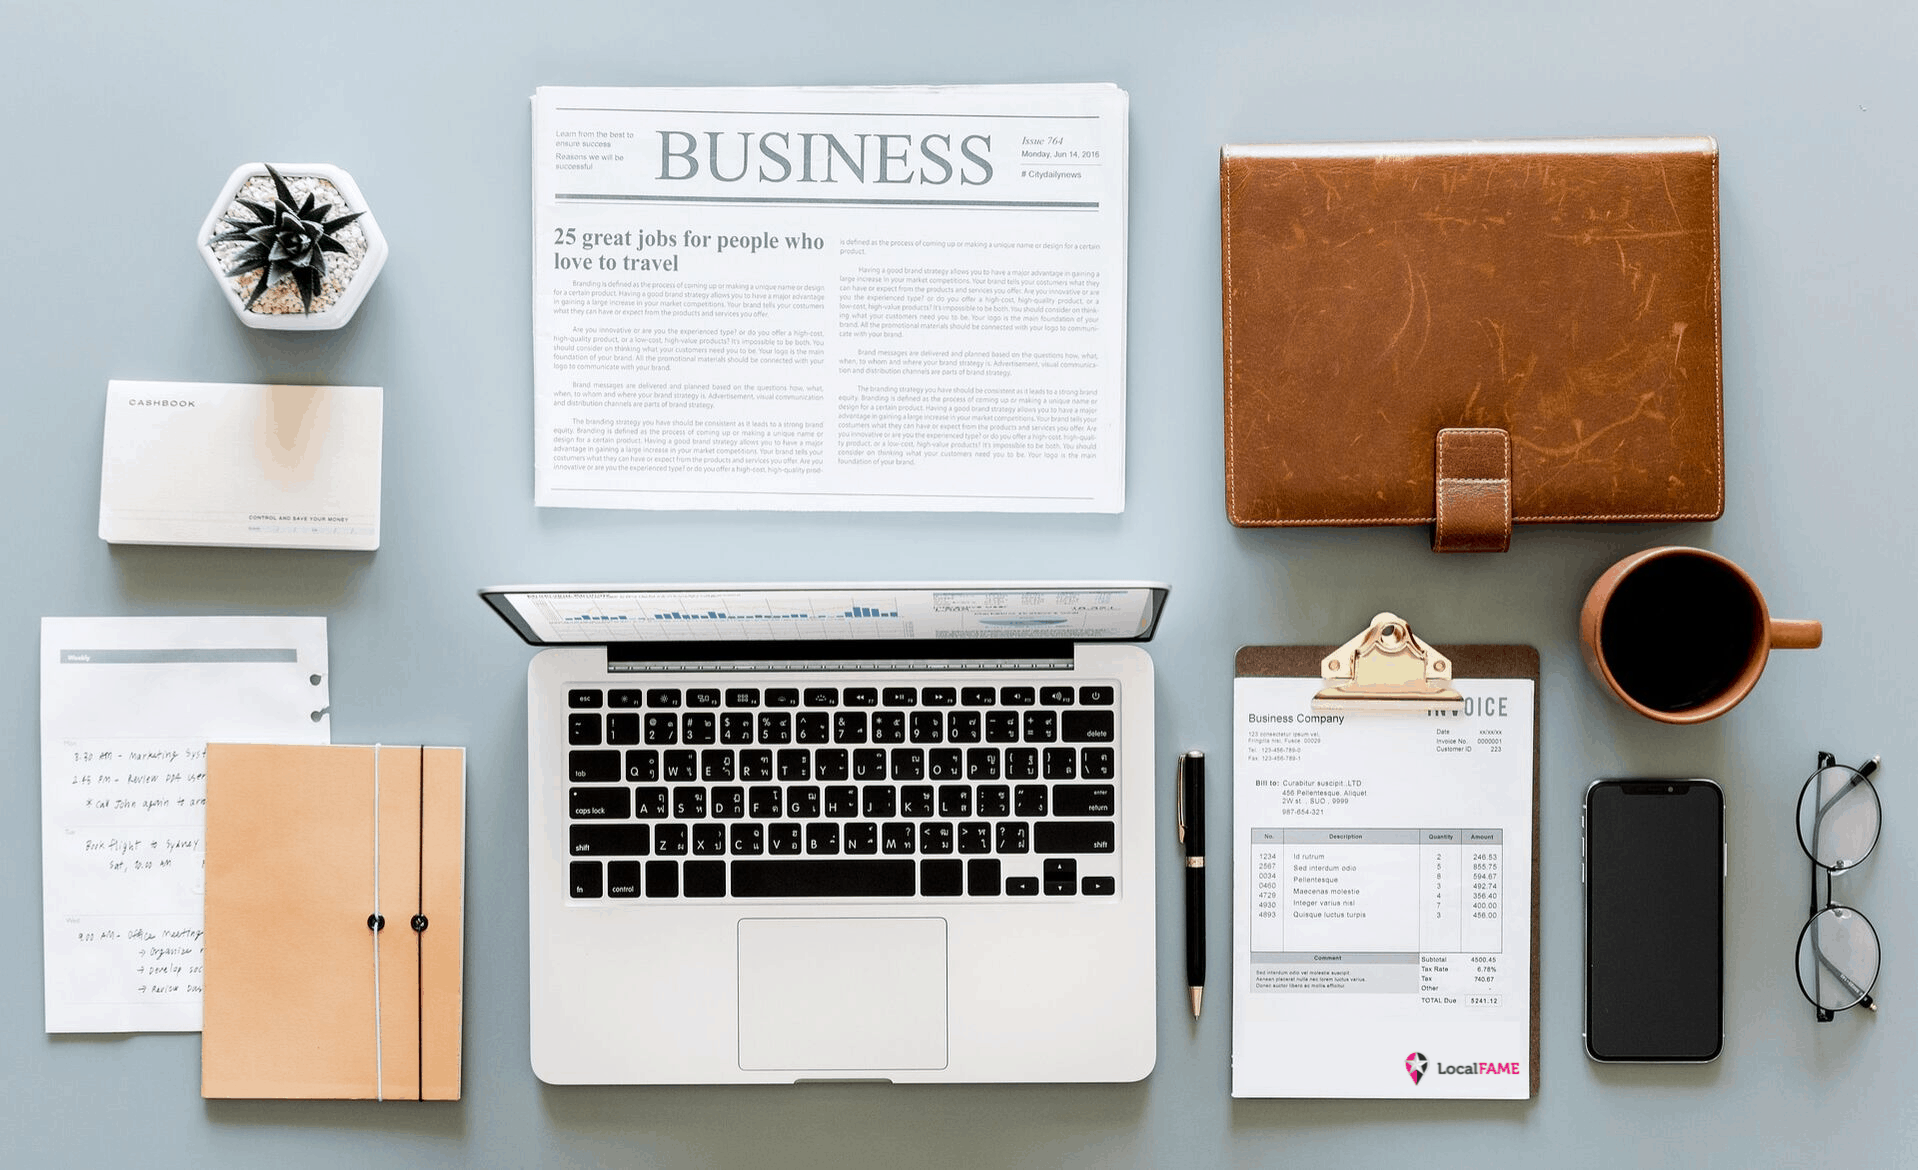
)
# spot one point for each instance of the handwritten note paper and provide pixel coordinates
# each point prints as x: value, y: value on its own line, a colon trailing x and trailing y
x: 127, y: 706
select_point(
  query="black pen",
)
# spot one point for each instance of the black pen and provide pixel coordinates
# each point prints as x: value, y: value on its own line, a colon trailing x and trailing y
x: 1190, y: 812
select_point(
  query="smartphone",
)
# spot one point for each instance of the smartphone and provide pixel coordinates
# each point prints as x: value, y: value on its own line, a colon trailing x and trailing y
x: 1653, y: 863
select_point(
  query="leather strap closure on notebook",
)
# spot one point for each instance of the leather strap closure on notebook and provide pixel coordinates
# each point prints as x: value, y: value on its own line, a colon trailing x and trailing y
x: 1472, y: 490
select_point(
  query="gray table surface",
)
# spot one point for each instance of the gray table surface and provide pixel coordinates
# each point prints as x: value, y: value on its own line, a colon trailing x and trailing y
x: 124, y: 119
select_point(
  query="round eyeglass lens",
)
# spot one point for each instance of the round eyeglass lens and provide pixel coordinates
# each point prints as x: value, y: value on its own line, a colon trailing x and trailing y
x: 1839, y: 817
x: 1839, y: 958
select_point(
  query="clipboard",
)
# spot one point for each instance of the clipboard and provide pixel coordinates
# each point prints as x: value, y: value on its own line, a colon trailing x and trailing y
x: 1398, y: 673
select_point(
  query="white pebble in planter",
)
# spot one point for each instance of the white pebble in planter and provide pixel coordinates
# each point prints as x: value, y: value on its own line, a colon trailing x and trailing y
x: 292, y: 246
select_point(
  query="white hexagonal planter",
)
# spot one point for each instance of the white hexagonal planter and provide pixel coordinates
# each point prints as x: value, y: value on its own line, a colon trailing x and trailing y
x: 349, y: 275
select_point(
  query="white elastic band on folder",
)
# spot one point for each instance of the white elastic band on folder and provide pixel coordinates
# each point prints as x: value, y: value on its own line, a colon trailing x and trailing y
x: 379, y: 1072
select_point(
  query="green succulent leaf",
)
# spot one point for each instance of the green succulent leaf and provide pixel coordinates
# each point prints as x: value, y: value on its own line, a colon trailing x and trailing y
x: 334, y: 225
x: 280, y: 186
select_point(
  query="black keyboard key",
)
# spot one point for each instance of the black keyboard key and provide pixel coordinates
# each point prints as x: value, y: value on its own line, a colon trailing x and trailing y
x: 849, y: 727
x: 1083, y: 800
x: 623, y: 879
x: 1041, y: 726
x: 783, y: 697
x: 747, y: 840
x: 1030, y: 800
x: 703, y: 697
x: 1086, y: 726
x: 861, y: 837
x: 793, y: 764
x: 643, y: 766
x: 583, y: 730
x: 1023, y: 763
x: 1096, y: 763
x: 843, y: 801
x: 763, y: 802
x: 963, y: 727
x: 823, y: 878
x: 1060, y: 763
x: 940, y: 879
x: 663, y: 697
x: 1073, y: 837
x: 710, y: 840
x: 689, y: 804
x: 823, y: 837
x: 625, y: 699
x: 583, y: 698
x: 1010, y: 837
x: 1096, y: 696
x: 1057, y: 696
x: 830, y: 764
x: 1016, y: 697
x: 943, y: 764
x: 1003, y: 727
x: 909, y: 764
x: 681, y: 766
x: 927, y: 726
x: 756, y: 765
x: 593, y: 767
x: 1095, y: 887
x: 623, y: 728
x: 706, y: 879
x: 916, y: 800
x: 775, y: 727
x: 662, y: 727
x: 877, y: 800
x: 976, y: 837
x: 743, y: 696
x: 716, y: 766
x: 1023, y: 887
x: 650, y: 804
x: 736, y: 727
x: 697, y: 727
x: 898, y: 696
x: 956, y: 800
x: 994, y: 800
x: 669, y: 840
x: 983, y: 877
x: 822, y: 697
x: 783, y: 838
x: 1059, y: 878
x: 896, y: 837
x: 627, y: 840
x: 936, y: 837
x: 936, y: 696
x: 889, y: 727
x: 663, y: 879
x: 976, y: 696
x: 803, y: 800
x: 810, y: 727
x: 600, y: 804
x: 728, y: 802
x: 860, y: 696
x: 983, y: 763
x: 584, y: 879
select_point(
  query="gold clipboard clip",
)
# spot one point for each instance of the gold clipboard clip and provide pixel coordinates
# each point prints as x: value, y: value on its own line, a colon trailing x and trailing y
x: 1385, y: 667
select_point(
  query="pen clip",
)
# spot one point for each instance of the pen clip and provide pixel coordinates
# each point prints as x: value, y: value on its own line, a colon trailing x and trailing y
x: 1180, y: 799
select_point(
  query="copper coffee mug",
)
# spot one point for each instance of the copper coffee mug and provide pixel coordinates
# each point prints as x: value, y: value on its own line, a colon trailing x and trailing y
x: 1682, y: 634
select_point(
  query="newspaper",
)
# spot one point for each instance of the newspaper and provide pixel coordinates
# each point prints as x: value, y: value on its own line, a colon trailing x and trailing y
x: 906, y: 299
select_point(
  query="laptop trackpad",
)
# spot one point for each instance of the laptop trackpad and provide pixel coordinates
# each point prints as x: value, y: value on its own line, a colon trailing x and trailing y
x: 843, y: 994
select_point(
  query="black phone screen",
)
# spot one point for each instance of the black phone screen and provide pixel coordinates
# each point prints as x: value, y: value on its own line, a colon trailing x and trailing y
x: 1654, y: 868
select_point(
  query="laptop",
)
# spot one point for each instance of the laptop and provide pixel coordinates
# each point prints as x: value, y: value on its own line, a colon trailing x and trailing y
x: 868, y: 832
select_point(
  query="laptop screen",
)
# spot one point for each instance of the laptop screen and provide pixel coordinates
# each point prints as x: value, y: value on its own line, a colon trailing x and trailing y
x: 587, y: 615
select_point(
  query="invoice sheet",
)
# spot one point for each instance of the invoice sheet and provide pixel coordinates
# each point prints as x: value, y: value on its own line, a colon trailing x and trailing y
x: 1381, y: 895
x: 905, y: 298
x: 127, y: 706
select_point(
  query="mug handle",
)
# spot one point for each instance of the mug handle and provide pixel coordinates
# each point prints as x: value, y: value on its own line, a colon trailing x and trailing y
x: 1789, y: 635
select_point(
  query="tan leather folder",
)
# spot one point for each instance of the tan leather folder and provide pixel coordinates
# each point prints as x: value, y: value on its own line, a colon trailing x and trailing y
x: 1472, y: 334
x: 308, y: 849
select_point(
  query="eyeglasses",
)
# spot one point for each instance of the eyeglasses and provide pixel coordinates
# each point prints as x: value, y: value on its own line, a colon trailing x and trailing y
x: 1839, y: 951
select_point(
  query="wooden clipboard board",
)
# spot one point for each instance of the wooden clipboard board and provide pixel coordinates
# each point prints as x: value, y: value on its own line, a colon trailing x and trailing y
x: 1475, y: 661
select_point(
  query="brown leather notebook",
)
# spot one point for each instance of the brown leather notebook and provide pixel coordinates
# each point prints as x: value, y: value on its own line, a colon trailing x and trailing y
x: 309, y: 849
x: 1472, y: 334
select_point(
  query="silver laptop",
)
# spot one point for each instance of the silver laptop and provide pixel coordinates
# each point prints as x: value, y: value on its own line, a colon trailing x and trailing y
x: 840, y: 832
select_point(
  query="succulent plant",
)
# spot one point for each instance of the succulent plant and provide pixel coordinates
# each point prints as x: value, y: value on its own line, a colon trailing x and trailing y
x: 288, y: 239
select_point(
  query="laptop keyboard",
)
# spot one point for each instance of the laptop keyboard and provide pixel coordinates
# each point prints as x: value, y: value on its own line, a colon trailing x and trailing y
x: 949, y: 791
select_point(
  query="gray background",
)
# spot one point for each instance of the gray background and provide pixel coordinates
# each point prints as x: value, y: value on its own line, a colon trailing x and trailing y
x: 122, y: 121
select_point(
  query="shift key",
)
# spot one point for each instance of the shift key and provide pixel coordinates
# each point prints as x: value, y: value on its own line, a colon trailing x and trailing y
x: 1086, y: 726
x: 1073, y: 837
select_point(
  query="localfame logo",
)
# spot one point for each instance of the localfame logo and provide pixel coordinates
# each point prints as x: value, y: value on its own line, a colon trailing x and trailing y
x: 1418, y: 1068
x: 1416, y: 1065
